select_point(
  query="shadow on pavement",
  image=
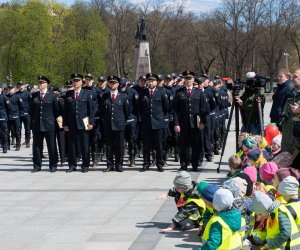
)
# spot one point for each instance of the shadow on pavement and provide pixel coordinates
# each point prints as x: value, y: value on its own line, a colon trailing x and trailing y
x: 152, y: 224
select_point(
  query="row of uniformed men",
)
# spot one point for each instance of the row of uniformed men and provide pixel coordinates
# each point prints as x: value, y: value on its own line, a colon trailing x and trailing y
x: 155, y: 112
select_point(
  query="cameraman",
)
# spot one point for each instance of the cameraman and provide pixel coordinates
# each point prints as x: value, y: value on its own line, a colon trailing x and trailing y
x: 291, y: 124
x: 249, y: 105
x: 283, y: 92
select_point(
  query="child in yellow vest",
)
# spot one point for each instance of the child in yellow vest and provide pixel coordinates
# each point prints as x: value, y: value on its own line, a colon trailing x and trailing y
x: 288, y: 188
x: 188, y: 202
x: 222, y: 229
x: 207, y: 195
x: 281, y: 229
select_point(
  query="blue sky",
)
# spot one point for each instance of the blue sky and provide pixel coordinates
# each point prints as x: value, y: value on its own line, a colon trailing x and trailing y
x: 191, y: 5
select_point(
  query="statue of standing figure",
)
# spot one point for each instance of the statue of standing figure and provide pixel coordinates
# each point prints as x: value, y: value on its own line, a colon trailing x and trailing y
x: 141, y: 33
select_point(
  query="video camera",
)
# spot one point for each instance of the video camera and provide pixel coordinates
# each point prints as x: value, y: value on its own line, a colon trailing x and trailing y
x: 236, y: 87
x: 255, y: 81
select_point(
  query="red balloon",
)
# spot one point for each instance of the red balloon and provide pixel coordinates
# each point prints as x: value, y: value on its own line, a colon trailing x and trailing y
x: 270, y: 132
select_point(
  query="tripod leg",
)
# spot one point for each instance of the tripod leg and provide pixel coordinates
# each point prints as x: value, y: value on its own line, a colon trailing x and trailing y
x: 261, y: 124
x: 226, y: 135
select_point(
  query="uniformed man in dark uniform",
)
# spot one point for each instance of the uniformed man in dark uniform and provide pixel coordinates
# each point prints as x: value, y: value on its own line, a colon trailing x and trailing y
x: 78, y: 120
x: 24, y: 112
x: 142, y: 83
x: 191, y: 109
x: 173, y: 137
x: 43, y: 113
x: 130, y: 129
x: 59, y: 129
x: 153, y: 106
x: 115, y: 111
x: 16, y: 104
x: 213, y: 101
x: 4, y: 107
x: 95, y: 134
x: 102, y: 85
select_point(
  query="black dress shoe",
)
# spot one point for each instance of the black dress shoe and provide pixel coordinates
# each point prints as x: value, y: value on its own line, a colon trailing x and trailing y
x: 145, y: 168
x: 109, y: 168
x: 209, y: 158
x: 160, y: 169
x: 195, y: 170
x: 85, y: 170
x: 4, y: 151
x: 119, y: 169
x: 71, y: 170
x: 53, y: 170
x: 35, y: 170
x: 17, y: 148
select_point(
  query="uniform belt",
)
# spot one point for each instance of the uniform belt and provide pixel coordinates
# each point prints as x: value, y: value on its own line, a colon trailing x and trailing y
x: 15, y: 117
x: 2, y: 119
x: 97, y: 118
x: 130, y: 120
x: 212, y: 113
x: 25, y: 113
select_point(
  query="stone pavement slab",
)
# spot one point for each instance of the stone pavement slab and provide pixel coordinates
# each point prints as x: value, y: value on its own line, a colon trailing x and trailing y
x: 96, y: 210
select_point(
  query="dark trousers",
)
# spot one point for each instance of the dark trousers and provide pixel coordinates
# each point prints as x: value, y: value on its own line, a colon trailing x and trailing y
x: 114, y: 148
x: 4, y: 135
x: 190, y: 140
x: 95, y: 136
x: 60, y: 135
x: 15, y: 129
x: 153, y: 138
x: 37, y: 149
x: 78, y: 138
x: 26, y: 121
x: 130, y: 136
x: 207, y: 143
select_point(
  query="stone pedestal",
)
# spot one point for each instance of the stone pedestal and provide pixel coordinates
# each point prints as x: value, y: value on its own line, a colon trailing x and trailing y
x: 142, y: 60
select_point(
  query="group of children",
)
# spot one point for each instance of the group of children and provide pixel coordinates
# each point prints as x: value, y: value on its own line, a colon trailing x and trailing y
x: 257, y: 205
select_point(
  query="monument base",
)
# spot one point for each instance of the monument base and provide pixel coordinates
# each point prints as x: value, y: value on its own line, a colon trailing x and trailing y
x: 142, y: 59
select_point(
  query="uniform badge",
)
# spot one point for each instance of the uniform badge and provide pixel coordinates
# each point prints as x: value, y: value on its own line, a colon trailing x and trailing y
x: 7, y: 102
x: 21, y: 100
x: 217, y: 94
x: 171, y: 98
x: 136, y: 96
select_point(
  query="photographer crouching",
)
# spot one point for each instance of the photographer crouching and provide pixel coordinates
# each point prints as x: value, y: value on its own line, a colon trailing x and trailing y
x: 250, y: 103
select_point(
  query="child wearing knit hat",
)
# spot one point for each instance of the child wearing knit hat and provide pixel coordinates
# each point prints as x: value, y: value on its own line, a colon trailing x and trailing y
x: 288, y: 188
x: 207, y: 195
x: 281, y: 229
x: 188, y: 202
x: 276, y: 146
x: 222, y: 229
x: 267, y: 172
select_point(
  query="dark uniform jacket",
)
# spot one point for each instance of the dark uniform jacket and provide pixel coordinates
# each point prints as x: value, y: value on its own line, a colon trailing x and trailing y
x: 132, y: 97
x: 16, y: 104
x: 25, y: 96
x: 213, y: 98
x: 187, y: 108
x: 74, y: 112
x: 170, y: 91
x: 96, y: 95
x: 114, y: 114
x: 4, y: 107
x: 43, y: 112
x: 153, y: 109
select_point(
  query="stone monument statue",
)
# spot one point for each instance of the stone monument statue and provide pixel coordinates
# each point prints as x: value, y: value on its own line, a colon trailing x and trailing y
x: 141, y: 33
x: 142, y: 55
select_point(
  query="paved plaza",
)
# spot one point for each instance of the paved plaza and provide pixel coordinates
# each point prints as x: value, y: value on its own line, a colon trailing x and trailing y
x: 95, y: 210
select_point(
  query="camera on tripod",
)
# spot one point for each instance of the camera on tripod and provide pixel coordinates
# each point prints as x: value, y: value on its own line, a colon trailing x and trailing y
x: 255, y: 81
